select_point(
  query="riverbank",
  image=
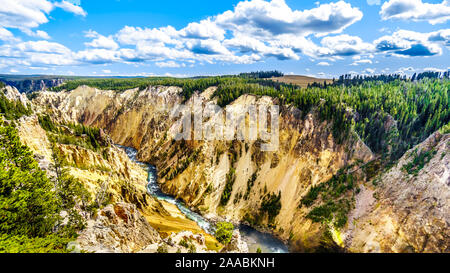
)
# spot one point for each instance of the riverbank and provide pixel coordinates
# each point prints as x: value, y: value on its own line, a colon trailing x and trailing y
x: 183, y: 218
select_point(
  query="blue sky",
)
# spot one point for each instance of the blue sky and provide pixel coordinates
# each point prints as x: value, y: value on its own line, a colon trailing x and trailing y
x: 197, y: 37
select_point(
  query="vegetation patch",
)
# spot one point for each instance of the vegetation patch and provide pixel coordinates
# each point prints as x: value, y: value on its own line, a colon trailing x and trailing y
x: 271, y: 205
x: 31, y: 204
x: 224, y: 232
x: 419, y: 161
x: 337, y: 193
x: 73, y: 134
x: 12, y: 110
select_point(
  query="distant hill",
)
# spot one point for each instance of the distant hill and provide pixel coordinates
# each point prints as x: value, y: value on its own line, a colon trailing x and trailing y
x: 31, y: 83
x: 302, y: 81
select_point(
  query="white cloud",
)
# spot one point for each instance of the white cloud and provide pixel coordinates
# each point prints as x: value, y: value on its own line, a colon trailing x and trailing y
x: 343, y: 45
x: 38, y: 34
x: 43, y: 47
x: 101, y: 41
x: 362, y: 61
x: 22, y: 14
x: 261, y: 18
x: 408, y: 44
x: 405, y: 70
x: 170, y: 64
x: 416, y: 10
x: 369, y: 71
x: 440, y: 36
x: 106, y: 71
x: 26, y: 15
x: 69, y: 7
x: 323, y: 64
x: 208, y: 47
x: 434, y: 69
x: 98, y: 56
x: 133, y: 35
x: 6, y: 35
x: 205, y: 29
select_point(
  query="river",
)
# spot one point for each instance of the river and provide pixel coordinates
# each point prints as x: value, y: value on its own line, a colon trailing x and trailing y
x: 254, y: 238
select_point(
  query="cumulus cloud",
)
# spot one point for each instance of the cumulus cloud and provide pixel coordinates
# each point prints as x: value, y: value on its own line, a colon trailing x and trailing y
x: 208, y: 47
x: 361, y: 61
x: 133, y: 35
x: 38, y: 34
x: 416, y: 10
x: 37, y: 53
x: 369, y: 71
x: 440, y: 36
x: 323, y: 64
x: 170, y: 64
x: 5, y: 35
x: 69, y: 7
x: 205, y: 29
x: 408, y: 43
x: 261, y: 18
x: 26, y: 15
x: 343, y: 45
x: 43, y: 47
x: 101, y: 41
x: 22, y: 14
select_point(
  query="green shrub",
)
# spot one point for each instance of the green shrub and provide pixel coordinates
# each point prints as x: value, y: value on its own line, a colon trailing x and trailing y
x: 224, y: 232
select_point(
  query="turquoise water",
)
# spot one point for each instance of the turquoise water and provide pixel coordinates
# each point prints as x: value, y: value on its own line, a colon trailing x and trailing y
x: 254, y: 239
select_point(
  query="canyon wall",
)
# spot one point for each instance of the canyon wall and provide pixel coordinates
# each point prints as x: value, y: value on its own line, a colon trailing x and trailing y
x: 382, y: 216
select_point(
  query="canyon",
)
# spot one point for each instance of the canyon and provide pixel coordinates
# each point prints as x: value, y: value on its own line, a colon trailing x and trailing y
x: 384, y: 214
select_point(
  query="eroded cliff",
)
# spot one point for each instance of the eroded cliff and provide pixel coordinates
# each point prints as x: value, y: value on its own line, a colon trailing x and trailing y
x: 256, y: 183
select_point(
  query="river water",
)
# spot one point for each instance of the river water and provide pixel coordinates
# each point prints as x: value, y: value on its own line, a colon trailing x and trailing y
x: 254, y: 238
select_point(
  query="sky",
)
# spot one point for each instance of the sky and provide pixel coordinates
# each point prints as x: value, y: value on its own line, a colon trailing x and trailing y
x: 201, y: 37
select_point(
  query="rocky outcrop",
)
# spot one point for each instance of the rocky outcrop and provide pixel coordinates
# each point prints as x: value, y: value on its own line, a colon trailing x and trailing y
x: 31, y: 85
x: 117, y: 228
x: 236, y: 245
x: 11, y: 93
x: 182, y: 242
x: 126, y: 224
x: 408, y: 212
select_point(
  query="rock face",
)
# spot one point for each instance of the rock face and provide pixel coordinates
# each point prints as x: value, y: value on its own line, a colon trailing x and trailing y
x: 236, y: 245
x: 411, y: 212
x: 31, y: 85
x: 12, y: 93
x: 182, y: 242
x: 308, y: 155
x: 126, y: 224
x: 117, y: 228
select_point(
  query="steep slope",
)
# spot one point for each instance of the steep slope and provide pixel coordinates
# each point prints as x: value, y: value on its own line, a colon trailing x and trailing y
x: 410, y: 211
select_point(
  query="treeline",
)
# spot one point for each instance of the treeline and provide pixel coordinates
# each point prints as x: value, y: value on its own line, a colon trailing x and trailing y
x: 262, y: 74
x: 351, y: 79
x: 189, y: 86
